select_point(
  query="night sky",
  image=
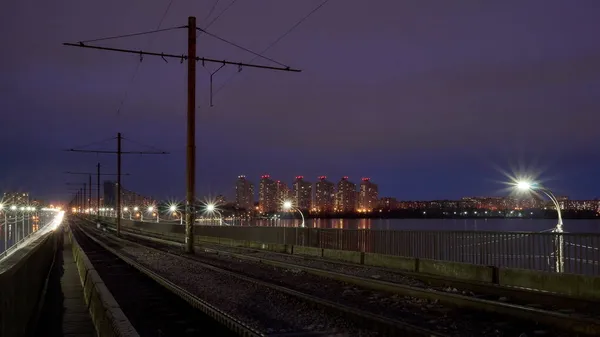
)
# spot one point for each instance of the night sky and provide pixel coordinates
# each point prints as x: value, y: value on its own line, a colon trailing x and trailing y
x: 431, y: 99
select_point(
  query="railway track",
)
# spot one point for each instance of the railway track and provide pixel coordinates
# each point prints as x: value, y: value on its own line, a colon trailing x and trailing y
x: 566, y: 313
x: 492, y: 292
x: 367, y: 323
x: 153, y: 309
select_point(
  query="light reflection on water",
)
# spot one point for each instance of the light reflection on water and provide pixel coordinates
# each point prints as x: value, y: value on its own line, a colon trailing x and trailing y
x: 525, y: 225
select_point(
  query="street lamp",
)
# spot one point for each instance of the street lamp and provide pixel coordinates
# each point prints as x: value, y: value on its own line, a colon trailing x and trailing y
x: 528, y: 187
x: 287, y: 205
x: 211, y: 209
x: 135, y: 209
x: 173, y: 209
x: 5, y: 227
x: 126, y: 209
x: 150, y: 210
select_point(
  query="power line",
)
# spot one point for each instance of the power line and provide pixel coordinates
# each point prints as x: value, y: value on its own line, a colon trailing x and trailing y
x: 137, y: 66
x: 219, y: 15
x: 143, y: 145
x: 133, y: 34
x: 96, y: 142
x: 240, y: 47
x: 291, y: 29
x: 211, y: 10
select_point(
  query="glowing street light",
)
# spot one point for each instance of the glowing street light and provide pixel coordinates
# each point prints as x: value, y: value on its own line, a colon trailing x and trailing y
x: 287, y: 205
x: 126, y: 209
x: 5, y: 227
x: 173, y: 209
x: 136, y: 209
x: 527, y: 186
x: 211, y: 209
x: 150, y: 210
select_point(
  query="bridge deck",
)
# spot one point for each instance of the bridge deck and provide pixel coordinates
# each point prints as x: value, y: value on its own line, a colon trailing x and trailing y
x: 65, y: 312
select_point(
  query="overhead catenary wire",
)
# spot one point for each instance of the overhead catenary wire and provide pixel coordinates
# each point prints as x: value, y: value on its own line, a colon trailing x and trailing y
x: 276, y: 41
x: 95, y: 143
x: 240, y: 47
x: 212, y: 10
x: 142, y: 145
x: 133, y: 34
x: 138, y: 64
x: 219, y: 15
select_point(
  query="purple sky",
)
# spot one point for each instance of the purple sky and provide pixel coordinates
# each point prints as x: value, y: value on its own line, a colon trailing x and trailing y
x: 431, y: 99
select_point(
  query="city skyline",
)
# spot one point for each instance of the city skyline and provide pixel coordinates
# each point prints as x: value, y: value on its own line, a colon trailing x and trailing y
x: 431, y: 101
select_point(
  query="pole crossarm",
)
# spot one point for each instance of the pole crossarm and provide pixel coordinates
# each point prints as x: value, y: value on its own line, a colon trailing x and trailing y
x: 115, y: 152
x: 181, y: 57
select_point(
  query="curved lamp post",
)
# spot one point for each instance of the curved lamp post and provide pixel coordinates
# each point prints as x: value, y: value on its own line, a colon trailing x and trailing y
x: 5, y: 226
x: 287, y: 206
x: 528, y: 186
x: 136, y: 209
x: 173, y: 209
x: 126, y: 209
x: 211, y: 209
x: 151, y: 209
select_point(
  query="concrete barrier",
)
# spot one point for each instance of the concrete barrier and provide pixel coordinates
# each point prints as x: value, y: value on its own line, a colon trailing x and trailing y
x: 391, y: 262
x: 305, y: 250
x: 344, y: 255
x: 580, y: 286
x: 462, y: 271
x: 106, y: 314
x: 22, y: 278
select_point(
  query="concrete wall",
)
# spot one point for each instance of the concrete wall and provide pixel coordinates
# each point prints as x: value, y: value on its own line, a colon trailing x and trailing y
x: 581, y: 286
x: 108, y: 318
x: 22, y: 279
x: 586, y: 287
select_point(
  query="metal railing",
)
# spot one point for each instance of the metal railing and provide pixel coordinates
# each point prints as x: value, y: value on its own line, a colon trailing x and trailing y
x: 576, y: 253
x: 580, y: 253
x: 18, y: 233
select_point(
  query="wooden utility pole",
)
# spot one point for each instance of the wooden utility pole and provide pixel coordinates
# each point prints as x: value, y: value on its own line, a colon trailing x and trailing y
x: 98, y: 195
x: 190, y: 198
x: 192, y: 58
x: 90, y: 192
x: 119, y: 183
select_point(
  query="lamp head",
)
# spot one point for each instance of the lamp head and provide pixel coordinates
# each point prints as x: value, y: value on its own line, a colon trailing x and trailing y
x: 287, y: 205
x: 210, y: 207
x: 524, y: 185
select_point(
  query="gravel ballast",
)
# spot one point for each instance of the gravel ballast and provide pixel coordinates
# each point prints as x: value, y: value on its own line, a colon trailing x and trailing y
x: 419, y: 312
x: 266, y: 310
x: 390, y: 276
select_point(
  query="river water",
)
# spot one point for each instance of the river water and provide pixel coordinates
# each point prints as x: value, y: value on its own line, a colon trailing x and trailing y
x: 501, y: 225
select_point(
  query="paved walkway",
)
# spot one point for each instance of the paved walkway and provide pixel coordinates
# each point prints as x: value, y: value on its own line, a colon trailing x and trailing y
x: 65, y: 312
